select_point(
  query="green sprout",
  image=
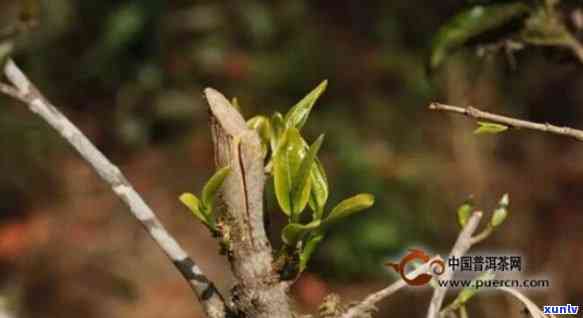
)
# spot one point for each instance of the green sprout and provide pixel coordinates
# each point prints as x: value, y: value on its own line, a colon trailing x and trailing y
x: 203, y: 209
x: 300, y: 180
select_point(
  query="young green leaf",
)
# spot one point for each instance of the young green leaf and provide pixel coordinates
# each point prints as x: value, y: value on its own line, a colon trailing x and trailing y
x: 499, y: 217
x: 212, y: 186
x: 294, y: 232
x: 471, y: 23
x: 278, y: 128
x: 350, y: 206
x: 501, y: 213
x: 489, y: 128
x: 235, y: 103
x: 193, y: 203
x: 504, y: 201
x: 286, y: 163
x: 468, y: 292
x: 301, y: 184
x: 320, y: 191
x: 309, y: 248
x: 464, y: 212
x: 298, y: 114
x: 262, y: 126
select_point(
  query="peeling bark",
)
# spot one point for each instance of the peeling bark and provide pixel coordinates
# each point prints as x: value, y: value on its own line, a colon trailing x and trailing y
x: 258, y: 292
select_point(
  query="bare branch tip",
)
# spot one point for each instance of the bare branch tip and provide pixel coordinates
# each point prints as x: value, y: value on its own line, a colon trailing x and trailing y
x: 210, y: 91
x: 215, y: 98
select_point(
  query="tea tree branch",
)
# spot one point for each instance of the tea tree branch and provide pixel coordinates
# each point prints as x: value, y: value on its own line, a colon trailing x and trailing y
x: 11, y: 91
x: 509, y: 121
x: 369, y: 302
x: 462, y: 246
x: 259, y: 291
x: 25, y: 91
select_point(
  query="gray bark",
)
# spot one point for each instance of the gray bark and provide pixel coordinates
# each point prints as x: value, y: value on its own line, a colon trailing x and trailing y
x: 24, y: 90
x: 259, y: 292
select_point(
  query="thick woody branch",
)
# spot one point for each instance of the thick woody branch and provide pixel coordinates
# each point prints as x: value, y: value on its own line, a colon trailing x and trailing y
x: 25, y: 91
x: 462, y: 246
x: 508, y: 121
x: 259, y: 292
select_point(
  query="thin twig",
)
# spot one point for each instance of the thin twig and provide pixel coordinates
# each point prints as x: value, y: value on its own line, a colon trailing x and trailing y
x: 374, y: 298
x: 532, y: 308
x: 11, y: 91
x: 461, y: 247
x: 26, y: 91
x: 482, y: 235
x: 509, y: 121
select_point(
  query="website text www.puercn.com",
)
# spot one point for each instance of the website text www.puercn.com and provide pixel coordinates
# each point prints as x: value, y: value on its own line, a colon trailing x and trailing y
x: 494, y: 283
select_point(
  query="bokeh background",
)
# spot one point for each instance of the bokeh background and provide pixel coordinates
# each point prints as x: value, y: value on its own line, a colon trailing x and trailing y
x: 131, y: 73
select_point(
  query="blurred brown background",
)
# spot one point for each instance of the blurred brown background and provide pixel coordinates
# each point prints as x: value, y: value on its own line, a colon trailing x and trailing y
x: 130, y: 74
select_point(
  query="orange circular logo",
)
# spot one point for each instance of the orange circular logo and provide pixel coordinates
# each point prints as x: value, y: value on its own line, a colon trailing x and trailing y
x: 437, y: 267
